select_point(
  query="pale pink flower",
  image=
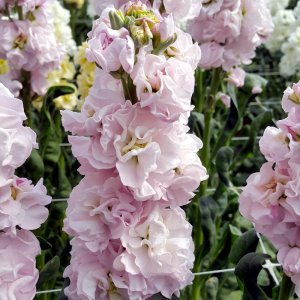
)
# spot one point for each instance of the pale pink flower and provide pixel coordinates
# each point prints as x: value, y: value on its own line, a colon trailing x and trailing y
x: 164, y: 85
x: 184, y: 49
x: 18, y: 273
x: 110, y: 49
x: 229, y: 25
x: 291, y: 124
x: 103, y: 96
x: 17, y: 145
x: 274, y: 144
x: 224, y: 98
x: 153, y: 158
x: 25, y: 206
x: 92, y: 276
x: 160, y: 248
x: 256, y: 90
x: 291, y: 97
x: 263, y: 203
x: 11, y: 110
x: 236, y: 76
x: 11, y: 81
x: 180, y: 9
x: 99, y: 209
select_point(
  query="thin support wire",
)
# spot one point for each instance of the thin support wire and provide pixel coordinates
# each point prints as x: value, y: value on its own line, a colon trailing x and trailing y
x: 48, y: 291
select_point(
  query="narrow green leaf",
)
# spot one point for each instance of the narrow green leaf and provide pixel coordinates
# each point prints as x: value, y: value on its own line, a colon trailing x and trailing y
x: 49, y: 271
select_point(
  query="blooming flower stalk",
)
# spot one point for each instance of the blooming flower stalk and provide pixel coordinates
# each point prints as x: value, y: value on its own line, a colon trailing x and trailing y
x: 22, y: 205
x: 139, y: 161
x: 271, y: 198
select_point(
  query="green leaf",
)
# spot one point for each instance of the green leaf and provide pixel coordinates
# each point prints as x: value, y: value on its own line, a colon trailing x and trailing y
x: 223, y: 161
x: 49, y: 271
x: 247, y: 271
x: 229, y: 128
x: 208, y: 211
x: 45, y: 245
x: 35, y: 165
x: 243, y: 245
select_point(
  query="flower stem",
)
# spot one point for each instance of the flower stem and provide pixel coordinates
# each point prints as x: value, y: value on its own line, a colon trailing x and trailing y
x: 26, y: 98
x: 205, y: 157
x: 286, y: 288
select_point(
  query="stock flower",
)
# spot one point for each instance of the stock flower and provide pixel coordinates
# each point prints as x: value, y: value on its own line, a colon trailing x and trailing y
x: 274, y: 144
x: 152, y: 157
x: 110, y: 49
x: 227, y: 28
x: 236, y: 76
x: 99, y: 209
x: 25, y: 206
x: 101, y: 101
x: 291, y: 97
x: 18, y: 273
x: 160, y: 248
x: 164, y: 85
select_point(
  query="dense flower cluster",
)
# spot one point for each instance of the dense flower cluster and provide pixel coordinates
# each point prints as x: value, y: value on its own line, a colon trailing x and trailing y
x: 227, y: 34
x: 286, y: 38
x: 180, y: 9
x: 131, y: 238
x: 23, y: 41
x: 22, y: 205
x: 271, y: 198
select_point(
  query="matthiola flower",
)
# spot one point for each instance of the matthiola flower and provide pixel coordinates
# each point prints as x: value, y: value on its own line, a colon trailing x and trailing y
x: 23, y: 204
x: 160, y: 248
x: 164, y: 85
x: 18, y: 273
x: 103, y: 97
x: 109, y: 48
x: 99, y: 210
x: 291, y: 97
x: 263, y: 201
x: 289, y: 258
x: 274, y: 144
x: 180, y: 8
x: 236, y: 76
x: 227, y: 27
x: 93, y: 276
x: 152, y: 157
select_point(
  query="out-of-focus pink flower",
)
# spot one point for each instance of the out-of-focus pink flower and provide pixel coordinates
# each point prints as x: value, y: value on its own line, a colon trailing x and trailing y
x: 180, y: 9
x: 164, y: 85
x: 291, y: 97
x: 236, y: 76
x: 110, y: 49
x: 18, y: 273
x: 224, y: 98
x: 257, y: 90
x: 160, y: 248
x: 25, y: 206
x: 229, y: 25
x: 11, y: 81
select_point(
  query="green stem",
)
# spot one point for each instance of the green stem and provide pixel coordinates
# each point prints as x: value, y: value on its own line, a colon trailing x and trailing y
x: 26, y: 98
x: 125, y: 87
x: 20, y: 13
x: 286, y: 288
x: 205, y: 157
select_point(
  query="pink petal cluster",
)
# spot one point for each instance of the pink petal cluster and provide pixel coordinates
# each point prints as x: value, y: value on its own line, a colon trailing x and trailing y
x: 180, y: 9
x: 22, y: 204
x: 140, y: 163
x: 229, y: 31
x: 24, y: 46
x: 18, y: 273
x: 272, y: 196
